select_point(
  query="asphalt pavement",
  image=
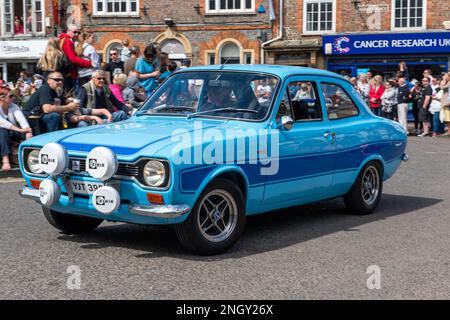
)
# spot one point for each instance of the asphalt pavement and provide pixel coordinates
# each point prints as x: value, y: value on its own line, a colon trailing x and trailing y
x: 316, y: 251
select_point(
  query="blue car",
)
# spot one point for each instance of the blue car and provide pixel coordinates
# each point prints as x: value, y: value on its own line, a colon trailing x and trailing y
x: 212, y: 146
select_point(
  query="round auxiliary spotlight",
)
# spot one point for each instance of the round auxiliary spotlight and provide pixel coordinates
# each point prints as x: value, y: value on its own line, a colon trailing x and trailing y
x: 49, y: 192
x: 53, y: 158
x: 106, y: 200
x: 101, y: 163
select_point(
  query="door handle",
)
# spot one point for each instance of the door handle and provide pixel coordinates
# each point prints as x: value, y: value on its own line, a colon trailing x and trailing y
x: 329, y: 134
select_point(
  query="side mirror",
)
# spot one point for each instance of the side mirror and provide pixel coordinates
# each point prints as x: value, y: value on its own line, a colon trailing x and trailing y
x: 286, y: 123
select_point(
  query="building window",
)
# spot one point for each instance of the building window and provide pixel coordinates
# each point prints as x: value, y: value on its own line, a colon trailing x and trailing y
x: 409, y: 13
x: 230, y: 54
x: 211, y: 58
x: 22, y: 17
x: 319, y: 15
x: 116, y: 7
x: 229, y: 6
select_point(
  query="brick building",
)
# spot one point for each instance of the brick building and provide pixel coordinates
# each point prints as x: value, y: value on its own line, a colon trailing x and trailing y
x: 349, y: 36
x: 24, y: 28
x: 207, y: 31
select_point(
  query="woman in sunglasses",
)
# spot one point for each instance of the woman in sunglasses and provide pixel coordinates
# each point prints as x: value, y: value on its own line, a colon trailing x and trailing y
x: 13, y: 126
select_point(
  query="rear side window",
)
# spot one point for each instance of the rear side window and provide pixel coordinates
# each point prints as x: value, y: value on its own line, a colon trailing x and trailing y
x: 338, y: 103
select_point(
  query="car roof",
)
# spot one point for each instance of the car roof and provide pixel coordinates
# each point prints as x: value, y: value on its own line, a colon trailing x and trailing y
x: 279, y: 70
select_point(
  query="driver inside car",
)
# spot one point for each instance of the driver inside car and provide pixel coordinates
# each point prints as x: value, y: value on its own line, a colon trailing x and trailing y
x: 218, y: 95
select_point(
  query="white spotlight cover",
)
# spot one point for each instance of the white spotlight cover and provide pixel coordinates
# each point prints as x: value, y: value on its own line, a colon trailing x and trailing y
x: 53, y: 158
x: 101, y: 163
x: 106, y: 200
x: 49, y: 192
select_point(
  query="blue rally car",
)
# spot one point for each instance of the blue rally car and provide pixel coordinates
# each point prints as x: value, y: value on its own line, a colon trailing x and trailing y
x: 213, y: 145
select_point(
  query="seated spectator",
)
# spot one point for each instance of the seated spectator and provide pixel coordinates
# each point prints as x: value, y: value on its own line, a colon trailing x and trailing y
x: 96, y: 95
x: 134, y: 95
x: 49, y: 102
x: 119, y: 83
x: 13, y: 126
x: 78, y: 119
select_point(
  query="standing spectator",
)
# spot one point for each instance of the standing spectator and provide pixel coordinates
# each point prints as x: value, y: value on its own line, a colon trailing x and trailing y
x: 96, y: 95
x: 264, y: 91
x: 24, y: 77
x: 402, y: 102
x: 445, y: 100
x: 403, y: 69
x: 369, y: 76
x: 185, y: 63
x: 364, y: 87
x: 425, y: 97
x: 67, y: 45
x: 148, y: 68
x: 389, y: 100
x: 115, y: 64
x: 375, y: 93
x: 167, y: 71
x: 86, y: 50
x: 125, y: 52
x: 354, y: 83
x: 415, y: 97
x: 130, y: 64
x: 18, y: 25
x: 435, y: 109
x: 428, y: 74
x: 13, y: 126
x: 53, y: 58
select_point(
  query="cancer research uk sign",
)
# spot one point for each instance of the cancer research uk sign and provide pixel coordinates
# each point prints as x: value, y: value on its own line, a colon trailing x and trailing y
x: 438, y: 42
x: 16, y: 49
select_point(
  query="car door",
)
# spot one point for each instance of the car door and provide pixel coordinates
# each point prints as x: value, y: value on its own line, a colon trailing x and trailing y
x: 306, y: 158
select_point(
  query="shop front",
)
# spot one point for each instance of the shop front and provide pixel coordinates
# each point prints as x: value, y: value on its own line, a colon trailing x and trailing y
x: 381, y: 53
x: 18, y: 55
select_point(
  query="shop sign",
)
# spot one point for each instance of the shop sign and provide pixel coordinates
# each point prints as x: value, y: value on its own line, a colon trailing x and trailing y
x: 438, y: 42
x: 31, y: 49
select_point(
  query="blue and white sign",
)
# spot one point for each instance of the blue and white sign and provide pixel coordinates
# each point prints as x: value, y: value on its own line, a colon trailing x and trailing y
x: 391, y: 43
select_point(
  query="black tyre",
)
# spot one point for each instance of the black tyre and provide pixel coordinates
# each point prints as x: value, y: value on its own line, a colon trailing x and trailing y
x: 365, y: 194
x: 217, y: 220
x: 69, y: 223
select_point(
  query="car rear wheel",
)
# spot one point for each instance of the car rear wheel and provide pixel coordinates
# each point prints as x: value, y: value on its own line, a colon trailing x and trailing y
x: 70, y: 224
x: 365, y: 194
x: 217, y: 220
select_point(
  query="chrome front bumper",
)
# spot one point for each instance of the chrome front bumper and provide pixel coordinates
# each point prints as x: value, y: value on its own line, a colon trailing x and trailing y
x: 30, y: 193
x: 154, y: 210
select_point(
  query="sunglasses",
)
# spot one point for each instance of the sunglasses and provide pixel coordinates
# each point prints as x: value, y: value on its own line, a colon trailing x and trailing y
x: 113, y: 54
x: 76, y: 32
x: 101, y: 79
x: 57, y: 79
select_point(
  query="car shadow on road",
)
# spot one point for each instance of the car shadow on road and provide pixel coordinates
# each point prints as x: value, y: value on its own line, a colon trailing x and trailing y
x: 263, y: 233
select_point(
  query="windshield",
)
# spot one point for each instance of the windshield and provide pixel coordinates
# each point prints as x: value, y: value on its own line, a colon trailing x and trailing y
x: 227, y: 94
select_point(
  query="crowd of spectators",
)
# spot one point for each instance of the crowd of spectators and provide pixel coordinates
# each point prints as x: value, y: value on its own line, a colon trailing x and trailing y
x: 73, y: 88
x: 429, y: 98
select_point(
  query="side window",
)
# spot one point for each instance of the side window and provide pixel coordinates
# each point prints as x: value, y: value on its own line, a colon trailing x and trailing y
x: 305, y: 102
x: 338, y: 103
x: 285, y: 107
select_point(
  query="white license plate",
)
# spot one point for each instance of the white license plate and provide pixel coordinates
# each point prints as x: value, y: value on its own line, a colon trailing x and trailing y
x: 85, y: 187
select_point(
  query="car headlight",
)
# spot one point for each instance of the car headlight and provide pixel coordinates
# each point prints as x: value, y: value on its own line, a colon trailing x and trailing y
x: 33, y: 162
x: 154, y: 173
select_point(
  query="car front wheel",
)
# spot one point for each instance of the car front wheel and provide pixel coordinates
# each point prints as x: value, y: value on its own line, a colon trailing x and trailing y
x: 217, y: 220
x: 365, y: 194
x: 70, y: 224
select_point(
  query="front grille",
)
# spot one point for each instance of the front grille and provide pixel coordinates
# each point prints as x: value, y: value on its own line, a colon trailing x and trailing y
x: 125, y: 169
